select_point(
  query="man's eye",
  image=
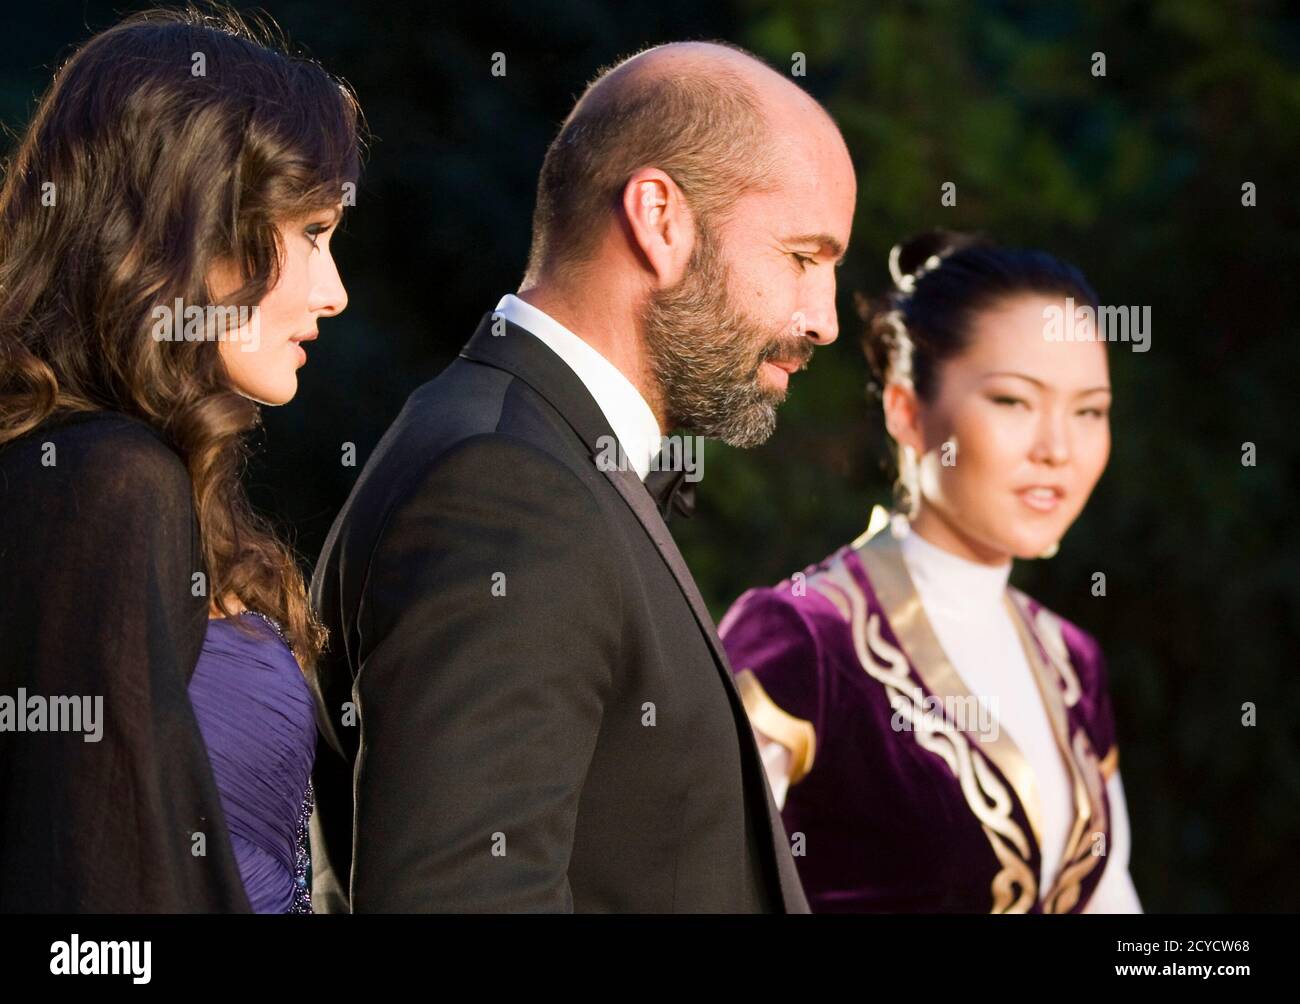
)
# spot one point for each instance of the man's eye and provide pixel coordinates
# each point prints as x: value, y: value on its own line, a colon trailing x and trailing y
x: 803, y: 260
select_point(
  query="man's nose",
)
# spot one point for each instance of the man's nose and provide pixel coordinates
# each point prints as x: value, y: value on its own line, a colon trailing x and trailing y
x: 820, y: 325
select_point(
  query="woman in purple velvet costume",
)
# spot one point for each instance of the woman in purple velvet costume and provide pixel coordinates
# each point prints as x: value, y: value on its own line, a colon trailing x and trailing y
x: 164, y: 294
x: 938, y: 741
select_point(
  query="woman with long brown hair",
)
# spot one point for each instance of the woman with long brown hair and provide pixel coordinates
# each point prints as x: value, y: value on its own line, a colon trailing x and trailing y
x: 164, y: 255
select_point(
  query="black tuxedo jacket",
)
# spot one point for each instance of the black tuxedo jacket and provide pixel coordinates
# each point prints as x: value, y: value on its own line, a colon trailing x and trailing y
x: 524, y: 705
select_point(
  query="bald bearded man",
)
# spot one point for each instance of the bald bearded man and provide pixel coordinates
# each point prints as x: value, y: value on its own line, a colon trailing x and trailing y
x: 525, y: 705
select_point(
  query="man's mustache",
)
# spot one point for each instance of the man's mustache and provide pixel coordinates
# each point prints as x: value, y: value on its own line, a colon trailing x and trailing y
x: 788, y: 350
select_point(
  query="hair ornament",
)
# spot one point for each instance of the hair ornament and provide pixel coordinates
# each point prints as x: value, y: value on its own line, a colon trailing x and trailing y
x: 906, y: 281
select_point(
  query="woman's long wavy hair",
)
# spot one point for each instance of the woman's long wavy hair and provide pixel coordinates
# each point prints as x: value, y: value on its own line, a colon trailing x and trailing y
x: 171, y: 142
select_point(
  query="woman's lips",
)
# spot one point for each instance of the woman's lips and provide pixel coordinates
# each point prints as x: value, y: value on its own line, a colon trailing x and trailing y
x: 1041, y: 498
x: 297, y: 341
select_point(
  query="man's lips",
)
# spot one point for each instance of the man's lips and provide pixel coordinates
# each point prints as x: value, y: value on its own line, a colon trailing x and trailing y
x: 780, y: 370
x: 782, y: 367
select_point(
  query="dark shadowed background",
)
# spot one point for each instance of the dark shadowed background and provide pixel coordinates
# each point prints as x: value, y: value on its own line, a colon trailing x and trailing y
x: 1136, y: 176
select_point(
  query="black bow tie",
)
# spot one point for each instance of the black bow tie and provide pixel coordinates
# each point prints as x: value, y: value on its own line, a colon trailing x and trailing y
x: 671, y: 492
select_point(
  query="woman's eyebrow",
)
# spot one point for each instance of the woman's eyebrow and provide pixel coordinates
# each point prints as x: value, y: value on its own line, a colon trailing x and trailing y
x: 1039, y: 383
x: 1020, y: 376
x: 330, y: 215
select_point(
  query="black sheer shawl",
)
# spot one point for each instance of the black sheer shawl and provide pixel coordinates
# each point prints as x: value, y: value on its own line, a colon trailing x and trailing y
x: 98, y: 549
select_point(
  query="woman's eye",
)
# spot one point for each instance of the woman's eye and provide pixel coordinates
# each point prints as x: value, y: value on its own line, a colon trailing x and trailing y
x: 314, y: 231
x: 1009, y: 401
x: 1094, y: 412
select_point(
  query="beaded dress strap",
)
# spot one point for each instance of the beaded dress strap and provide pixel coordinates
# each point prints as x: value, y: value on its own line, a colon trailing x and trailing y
x: 302, y: 857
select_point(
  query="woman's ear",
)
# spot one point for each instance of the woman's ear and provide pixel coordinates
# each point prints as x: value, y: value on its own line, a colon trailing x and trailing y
x: 903, y: 415
x: 222, y: 280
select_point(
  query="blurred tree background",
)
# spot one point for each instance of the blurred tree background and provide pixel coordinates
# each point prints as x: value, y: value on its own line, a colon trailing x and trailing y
x: 1136, y: 176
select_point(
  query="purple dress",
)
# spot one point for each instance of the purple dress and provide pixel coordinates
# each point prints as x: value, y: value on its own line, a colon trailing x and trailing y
x: 256, y: 714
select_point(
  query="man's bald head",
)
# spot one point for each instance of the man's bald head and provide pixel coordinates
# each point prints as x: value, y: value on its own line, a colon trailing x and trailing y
x: 712, y: 116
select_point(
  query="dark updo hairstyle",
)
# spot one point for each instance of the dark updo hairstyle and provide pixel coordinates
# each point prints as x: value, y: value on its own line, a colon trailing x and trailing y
x: 942, y: 279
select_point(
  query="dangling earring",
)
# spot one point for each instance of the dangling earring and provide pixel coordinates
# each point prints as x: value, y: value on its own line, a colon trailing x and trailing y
x: 905, y: 494
x: 908, y: 479
x: 1051, y: 550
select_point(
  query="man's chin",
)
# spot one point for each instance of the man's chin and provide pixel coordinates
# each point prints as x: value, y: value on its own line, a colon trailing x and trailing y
x: 756, y: 428
x: 746, y: 425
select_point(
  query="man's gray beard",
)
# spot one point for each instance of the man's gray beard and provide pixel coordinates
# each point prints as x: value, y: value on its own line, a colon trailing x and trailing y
x: 705, y: 354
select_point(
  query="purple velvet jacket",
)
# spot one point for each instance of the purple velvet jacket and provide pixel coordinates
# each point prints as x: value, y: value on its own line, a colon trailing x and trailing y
x: 892, y: 807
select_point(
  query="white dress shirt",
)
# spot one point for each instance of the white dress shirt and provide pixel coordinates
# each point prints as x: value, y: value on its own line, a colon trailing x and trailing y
x: 965, y: 605
x: 627, y: 412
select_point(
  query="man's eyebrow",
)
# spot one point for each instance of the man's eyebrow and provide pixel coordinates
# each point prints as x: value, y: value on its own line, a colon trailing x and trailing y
x: 821, y: 240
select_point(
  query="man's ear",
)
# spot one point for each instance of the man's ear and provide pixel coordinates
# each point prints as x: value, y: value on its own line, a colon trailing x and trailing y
x: 903, y: 415
x: 659, y: 224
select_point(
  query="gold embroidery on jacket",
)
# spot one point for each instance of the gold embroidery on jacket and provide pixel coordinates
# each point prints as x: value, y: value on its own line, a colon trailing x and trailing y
x: 1015, y: 887
x: 1059, y: 686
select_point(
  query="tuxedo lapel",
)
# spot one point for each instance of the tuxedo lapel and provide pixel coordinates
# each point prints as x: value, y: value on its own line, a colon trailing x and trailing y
x: 529, y: 359
x: 507, y: 346
x: 638, y: 499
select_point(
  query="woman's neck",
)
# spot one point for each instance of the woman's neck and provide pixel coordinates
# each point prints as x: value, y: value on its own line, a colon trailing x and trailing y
x: 952, y: 584
x: 232, y: 601
x: 943, y: 534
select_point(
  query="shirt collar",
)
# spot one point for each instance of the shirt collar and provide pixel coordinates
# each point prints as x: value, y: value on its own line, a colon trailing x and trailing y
x: 629, y: 416
x: 957, y: 586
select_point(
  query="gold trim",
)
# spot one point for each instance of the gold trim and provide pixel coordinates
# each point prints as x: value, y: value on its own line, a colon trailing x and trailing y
x: 1110, y: 763
x: 893, y: 585
x: 795, y: 734
x: 1058, y: 684
x: 1014, y: 889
